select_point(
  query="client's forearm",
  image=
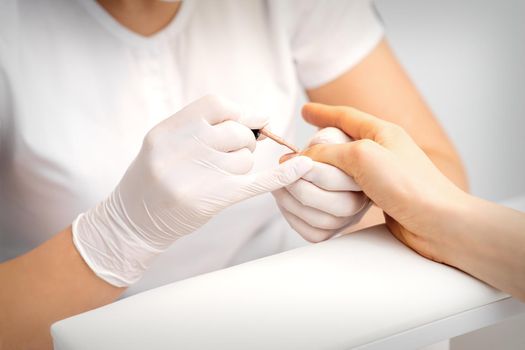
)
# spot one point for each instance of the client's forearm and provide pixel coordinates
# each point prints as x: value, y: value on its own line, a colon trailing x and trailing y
x: 488, y: 241
x: 47, y: 284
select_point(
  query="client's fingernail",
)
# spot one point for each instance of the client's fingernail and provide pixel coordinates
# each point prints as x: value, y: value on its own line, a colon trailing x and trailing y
x: 287, y: 156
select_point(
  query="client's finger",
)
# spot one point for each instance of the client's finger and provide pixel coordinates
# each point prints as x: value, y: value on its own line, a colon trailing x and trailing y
x: 357, y: 124
x: 352, y: 157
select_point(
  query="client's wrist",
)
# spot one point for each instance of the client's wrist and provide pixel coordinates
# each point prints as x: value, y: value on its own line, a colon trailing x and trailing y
x: 453, y: 231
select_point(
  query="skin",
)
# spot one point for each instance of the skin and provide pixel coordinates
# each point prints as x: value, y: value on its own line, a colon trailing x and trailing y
x: 423, y: 208
x: 45, y: 285
x: 144, y: 17
x: 379, y: 85
x: 53, y: 282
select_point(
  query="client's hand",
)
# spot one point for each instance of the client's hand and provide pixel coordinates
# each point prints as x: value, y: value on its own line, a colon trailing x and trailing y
x: 393, y: 171
x: 191, y: 166
x: 325, y: 200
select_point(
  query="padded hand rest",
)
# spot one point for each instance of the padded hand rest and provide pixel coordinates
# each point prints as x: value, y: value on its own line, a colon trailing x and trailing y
x: 333, y: 295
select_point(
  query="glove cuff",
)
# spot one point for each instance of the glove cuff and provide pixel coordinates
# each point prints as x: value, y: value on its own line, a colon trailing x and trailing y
x: 109, y: 246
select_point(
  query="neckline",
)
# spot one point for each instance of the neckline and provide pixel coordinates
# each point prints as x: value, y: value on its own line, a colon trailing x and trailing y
x: 133, y: 38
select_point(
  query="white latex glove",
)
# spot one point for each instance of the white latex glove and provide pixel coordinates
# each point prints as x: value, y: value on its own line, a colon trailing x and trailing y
x: 191, y: 166
x: 325, y: 200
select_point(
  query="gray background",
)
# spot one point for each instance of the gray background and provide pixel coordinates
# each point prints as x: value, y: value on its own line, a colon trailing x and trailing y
x: 467, y: 57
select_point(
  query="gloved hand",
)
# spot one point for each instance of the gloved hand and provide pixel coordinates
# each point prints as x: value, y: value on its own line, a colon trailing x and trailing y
x: 191, y: 166
x: 325, y: 200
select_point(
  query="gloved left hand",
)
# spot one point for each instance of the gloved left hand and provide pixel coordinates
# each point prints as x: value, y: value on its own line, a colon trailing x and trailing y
x: 325, y: 200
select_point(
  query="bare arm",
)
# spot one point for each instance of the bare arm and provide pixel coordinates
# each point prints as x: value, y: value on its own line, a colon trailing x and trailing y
x: 45, y: 285
x: 378, y: 85
x: 487, y: 241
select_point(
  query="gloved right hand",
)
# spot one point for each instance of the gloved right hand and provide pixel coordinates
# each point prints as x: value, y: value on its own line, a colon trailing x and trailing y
x: 325, y: 201
x: 191, y: 166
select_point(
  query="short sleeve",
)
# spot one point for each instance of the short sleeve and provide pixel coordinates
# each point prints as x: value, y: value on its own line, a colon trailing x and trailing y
x: 329, y: 37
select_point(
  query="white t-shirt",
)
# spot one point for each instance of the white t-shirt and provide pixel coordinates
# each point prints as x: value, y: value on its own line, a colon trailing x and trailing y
x: 78, y: 91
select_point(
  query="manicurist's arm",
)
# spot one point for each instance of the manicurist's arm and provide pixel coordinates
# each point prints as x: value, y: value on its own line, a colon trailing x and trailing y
x: 379, y: 85
x: 191, y: 166
x: 45, y: 285
x: 424, y: 209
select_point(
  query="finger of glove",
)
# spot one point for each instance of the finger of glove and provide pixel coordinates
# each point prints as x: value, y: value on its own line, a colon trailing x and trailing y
x: 338, y: 203
x: 253, y: 119
x: 366, y: 206
x: 330, y: 178
x: 273, y: 179
x: 228, y: 136
x: 238, y: 162
x: 313, y: 217
x: 329, y: 135
x: 309, y: 233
